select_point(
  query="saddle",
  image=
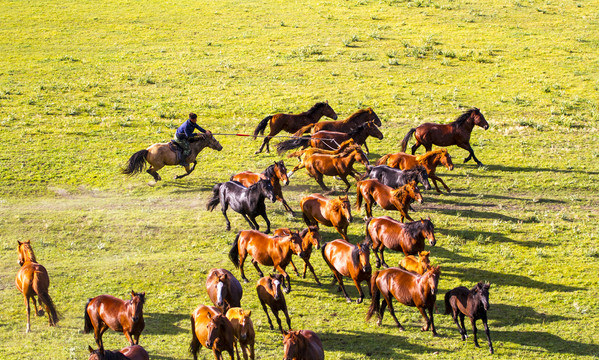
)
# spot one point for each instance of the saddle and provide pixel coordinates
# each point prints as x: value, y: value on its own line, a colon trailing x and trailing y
x: 177, y: 149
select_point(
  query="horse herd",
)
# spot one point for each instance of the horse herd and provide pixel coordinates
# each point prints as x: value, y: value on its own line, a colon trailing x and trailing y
x: 330, y: 150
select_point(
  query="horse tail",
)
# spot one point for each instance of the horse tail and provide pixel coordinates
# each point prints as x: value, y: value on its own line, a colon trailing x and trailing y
x: 262, y: 125
x: 304, y: 130
x: 234, y: 252
x: 376, y: 297
x: 382, y: 160
x: 292, y: 144
x: 136, y: 163
x: 215, y: 199
x: 447, y: 304
x: 88, y: 326
x: 45, y: 298
x: 368, y: 238
x: 323, y: 255
x: 195, y: 345
x: 358, y: 197
x: 404, y: 142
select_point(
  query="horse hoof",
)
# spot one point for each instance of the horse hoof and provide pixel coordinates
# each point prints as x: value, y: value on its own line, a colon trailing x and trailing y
x: 152, y: 183
x: 401, y: 328
x: 348, y: 300
x: 287, y: 290
x: 491, y: 351
x: 436, y: 335
x: 359, y: 301
x: 40, y: 312
x: 245, y: 280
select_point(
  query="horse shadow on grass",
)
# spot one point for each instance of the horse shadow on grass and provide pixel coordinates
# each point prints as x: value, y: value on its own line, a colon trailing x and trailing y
x: 552, y: 344
x: 504, y: 315
x: 537, y: 169
x: 495, y: 237
x: 164, y: 323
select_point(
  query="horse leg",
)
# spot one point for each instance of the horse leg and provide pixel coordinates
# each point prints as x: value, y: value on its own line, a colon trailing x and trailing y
x: 454, y: 315
x: 468, y: 148
x: 154, y: 172
x: 263, y: 214
x: 252, y: 222
x: 286, y: 206
x: 415, y: 146
x: 484, y: 319
x: 473, y: 322
x: 376, y: 255
x: 361, y: 297
x: 463, y: 326
x: 129, y: 338
x: 267, y: 316
x: 321, y: 183
x: 366, y: 148
x: 188, y: 171
x: 286, y: 277
x: 431, y: 316
x: 388, y: 300
x: 307, y: 264
x: 342, y: 287
x: 223, y: 208
x: 39, y: 312
x: 295, y: 269
x: 255, y: 263
x: 344, y: 178
x: 241, y: 261
x: 383, y: 257
x: 287, y: 317
x: 343, y: 232
x: 98, y: 332
x: 435, y: 177
x: 276, y: 313
x: 28, y: 307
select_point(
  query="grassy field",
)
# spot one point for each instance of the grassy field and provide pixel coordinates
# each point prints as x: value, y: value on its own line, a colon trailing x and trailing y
x: 84, y: 85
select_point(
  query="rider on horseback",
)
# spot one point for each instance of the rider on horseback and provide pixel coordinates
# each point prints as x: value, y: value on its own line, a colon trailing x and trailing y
x: 184, y: 133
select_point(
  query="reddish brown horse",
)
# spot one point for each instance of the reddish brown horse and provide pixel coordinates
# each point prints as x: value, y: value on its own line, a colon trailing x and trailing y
x: 224, y: 290
x: 212, y: 329
x: 418, y: 265
x: 319, y: 165
x: 388, y: 198
x: 276, y: 173
x: 33, y: 280
x: 266, y: 250
x: 345, y: 148
x: 455, y: 133
x: 430, y: 161
x: 345, y: 259
x: 107, y: 312
x: 310, y: 238
x: 384, y: 232
x: 292, y: 122
x: 329, y: 212
x: 302, y: 345
x: 243, y: 328
x: 269, y: 293
x: 409, y: 289
x: 345, y: 126
x: 135, y: 352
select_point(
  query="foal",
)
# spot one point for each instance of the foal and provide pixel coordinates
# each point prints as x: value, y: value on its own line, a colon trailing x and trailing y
x: 269, y: 293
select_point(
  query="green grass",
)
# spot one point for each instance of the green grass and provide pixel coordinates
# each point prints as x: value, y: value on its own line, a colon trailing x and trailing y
x: 83, y: 86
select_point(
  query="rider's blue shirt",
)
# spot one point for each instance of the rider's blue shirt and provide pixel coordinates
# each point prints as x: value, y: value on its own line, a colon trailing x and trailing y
x: 186, y: 129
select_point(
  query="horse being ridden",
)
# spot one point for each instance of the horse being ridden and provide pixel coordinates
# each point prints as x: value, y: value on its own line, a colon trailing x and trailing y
x: 134, y: 352
x: 388, y: 198
x: 310, y: 237
x: 212, y: 329
x: 292, y: 122
x: 396, y: 178
x: 330, y: 212
x: 224, y: 290
x: 302, y: 345
x: 455, y: 133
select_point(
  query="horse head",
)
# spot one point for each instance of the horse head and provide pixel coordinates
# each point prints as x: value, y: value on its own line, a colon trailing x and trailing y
x: 360, y: 157
x: 364, y: 256
x: 432, y: 278
x: 245, y: 324
x: 423, y: 258
x: 213, y: 328
x: 275, y: 281
x: 481, y: 292
x: 345, y: 207
x: 281, y: 172
x: 428, y: 230
x: 295, y: 243
x: 294, y: 345
x: 25, y: 252
x: 221, y: 289
x: 328, y: 111
x: 445, y: 159
x: 423, y: 177
x: 373, y: 130
x: 413, y: 191
x: 372, y: 116
x: 266, y: 189
x: 136, y: 306
x: 312, y: 235
x: 95, y: 354
x: 479, y: 118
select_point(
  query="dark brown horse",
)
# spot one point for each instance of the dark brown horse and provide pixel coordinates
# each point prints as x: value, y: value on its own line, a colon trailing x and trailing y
x: 107, y: 312
x: 302, y: 345
x: 345, y: 126
x: 33, y: 280
x: 276, y: 173
x: 243, y: 328
x: 329, y: 212
x: 475, y: 303
x: 310, y: 238
x: 135, y: 352
x: 319, y: 165
x: 160, y: 155
x: 345, y: 259
x: 224, y: 289
x: 267, y: 250
x: 384, y: 232
x: 269, y: 293
x: 409, y: 289
x: 371, y: 190
x: 292, y: 122
x: 212, y: 329
x: 455, y: 133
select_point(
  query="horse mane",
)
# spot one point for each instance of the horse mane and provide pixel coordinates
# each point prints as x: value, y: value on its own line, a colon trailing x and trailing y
x: 28, y: 250
x: 422, y: 158
x: 303, y: 232
x: 270, y: 171
x: 358, y: 114
x: 413, y: 228
x: 465, y: 116
x: 355, y: 255
x: 358, y: 129
x: 315, y: 108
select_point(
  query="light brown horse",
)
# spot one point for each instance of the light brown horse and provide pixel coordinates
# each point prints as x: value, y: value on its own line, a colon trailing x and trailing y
x: 33, y: 280
x: 292, y: 122
x: 243, y: 328
x: 329, y: 212
x: 356, y: 119
x: 388, y: 198
x: 269, y: 293
x: 345, y: 148
x: 409, y: 289
x: 212, y: 329
x: 160, y: 155
x: 276, y: 173
x: 135, y: 352
x: 266, y: 250
x: 107, y: 312
x: 418, y: 265
x: 319, y: 165
x: 310, y: 238
x: 430, y: 161
x: 223, y: 289
x: 345, y: 259
x: 302, y: 345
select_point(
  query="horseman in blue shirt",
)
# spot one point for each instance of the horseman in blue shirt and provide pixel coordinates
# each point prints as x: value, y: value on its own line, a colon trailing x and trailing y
x: 184, y: 133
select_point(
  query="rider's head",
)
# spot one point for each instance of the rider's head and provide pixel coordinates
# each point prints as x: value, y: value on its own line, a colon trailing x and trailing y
x: 193, y: 117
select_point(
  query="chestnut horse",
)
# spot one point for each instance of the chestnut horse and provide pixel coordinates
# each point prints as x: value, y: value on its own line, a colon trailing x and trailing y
x: 107, y: 312
x: 160, y: 155
x: 345, y: 148
x: 212, y: 329
x: 292, y: 122
x: 276, y: 173
x: 409, y: 289
x: 329, y: 212
x: 430, y: 161
x: 418, y: 265
x: 310, y: 237
x: 269, y: 293
x: 455, y: 133
x: 319, y: 165
x: 224, y: 290
x: 384, y: 232
x: 243, y: 328
x: 266, y: 250
x: 356, y: 119
x: 31, y: 280
x: 345, y: 259
x: 135, y: 352
x: 388, y: 198
x: 302, y: 345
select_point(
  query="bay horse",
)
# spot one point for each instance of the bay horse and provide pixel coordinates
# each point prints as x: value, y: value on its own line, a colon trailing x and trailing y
x: 249, y: 202
x: 396, y: 178
x: 135, y: 352
x: 292, y: 122
x: 243, y: 329
x: 356, y: 119
x: 108, y: 312
x: 212, y: 329
x: 346, y: 259
x: 330, y: 212
x: 267, y: 250
x: 475, y: 303
x: 384, y: 232
x: 33, y: 280
x: 224, y: 290
x: 388, y: 198
x: 160, y: 155
x: 310, y: 238
x: 269, y: 293
x: 455, y: 133
x: 345, y: 148
x: 276, y: 173
x: 418, y: 265
x: 319, y: 165
x: 410, y: 289
x: 302, y: 345
x: 430, y: 161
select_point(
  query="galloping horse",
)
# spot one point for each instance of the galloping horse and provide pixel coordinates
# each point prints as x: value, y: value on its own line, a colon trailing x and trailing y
x: 387, y: 197
x: 243, y: 328
x: 455, y: 133
x: 135, y: 352
x: 31, y: 280
x: 302, y: 345
x: 319, y: 165
x: 159, y: 155
x: 310, y: 237
x: 430, y: 161
x: 418, y: 265
x: 345, y: 259
x: 345, y: 126
x: 345, y: 148
x: 224, y: 290
x: 212, y: 329
x: 269, y: 293
x: 409, y: 289
x: 107, y: 312
x: 292, y: 122
x: 396, y: 178
x: 385, y: 232
x: 276, y: 173
x: 329, y: 212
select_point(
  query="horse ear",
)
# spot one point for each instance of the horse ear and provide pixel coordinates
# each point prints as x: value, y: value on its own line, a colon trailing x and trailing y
x: 285, y: 332
x: 247, y: 312
x: 90, y: 349
x: 428, y: 218
x: 20, y: 243
x: 209, y: 315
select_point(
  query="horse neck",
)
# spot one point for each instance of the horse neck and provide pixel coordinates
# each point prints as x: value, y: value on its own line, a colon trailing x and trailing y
x: 28, y: 255
x: 466, y: 125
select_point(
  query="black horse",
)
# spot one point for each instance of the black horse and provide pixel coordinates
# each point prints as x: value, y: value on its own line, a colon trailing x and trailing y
x: 396, y: 178
x: 249, y: 201
x: 474, y: 303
